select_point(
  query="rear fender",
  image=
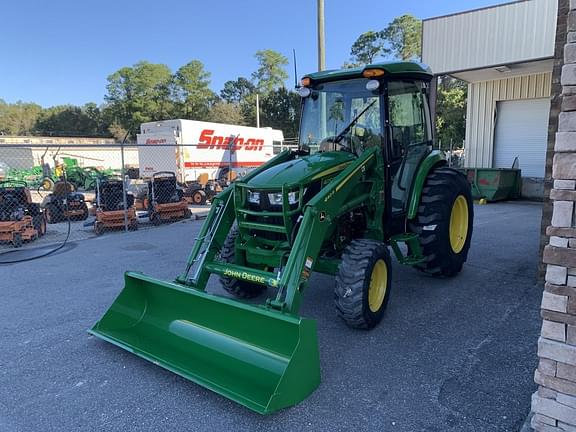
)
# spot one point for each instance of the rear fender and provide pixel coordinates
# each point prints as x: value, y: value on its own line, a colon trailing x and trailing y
x: 435, y: 159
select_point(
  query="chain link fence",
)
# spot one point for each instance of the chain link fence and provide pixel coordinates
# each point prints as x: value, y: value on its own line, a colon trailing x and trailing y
x: 455, y: 153
x: 50, y: 194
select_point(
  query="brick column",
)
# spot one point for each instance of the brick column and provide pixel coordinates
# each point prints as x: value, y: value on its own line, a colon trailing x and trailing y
x: 555, y: 106
x: 554, y: 404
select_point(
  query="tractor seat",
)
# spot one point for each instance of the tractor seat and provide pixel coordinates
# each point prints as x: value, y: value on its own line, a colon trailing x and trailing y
x: 165, y: 190
x: 11, y: 207
x: 7, y: 202
x: 13, y: 197
x: 112, y: 196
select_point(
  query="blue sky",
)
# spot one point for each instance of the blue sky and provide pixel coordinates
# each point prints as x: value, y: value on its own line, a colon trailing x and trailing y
x: 61, y: 51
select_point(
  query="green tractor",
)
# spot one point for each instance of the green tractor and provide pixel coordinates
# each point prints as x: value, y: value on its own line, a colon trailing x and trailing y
x: 364, y: 180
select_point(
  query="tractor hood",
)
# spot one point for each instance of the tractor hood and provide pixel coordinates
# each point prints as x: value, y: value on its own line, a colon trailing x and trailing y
x: 302, y: 170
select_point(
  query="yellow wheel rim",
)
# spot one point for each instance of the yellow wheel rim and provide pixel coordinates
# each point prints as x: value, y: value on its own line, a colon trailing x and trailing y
x: 378, y: 285
x: 459, y: 224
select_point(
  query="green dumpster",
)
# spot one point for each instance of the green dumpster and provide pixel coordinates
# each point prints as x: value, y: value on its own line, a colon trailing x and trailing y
x: 494, y: 184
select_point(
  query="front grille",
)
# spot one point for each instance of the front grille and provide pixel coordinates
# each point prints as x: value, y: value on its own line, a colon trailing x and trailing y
x: 276, y: 221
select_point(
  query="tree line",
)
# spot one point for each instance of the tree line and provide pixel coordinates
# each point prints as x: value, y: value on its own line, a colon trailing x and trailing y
x: 150, y: 92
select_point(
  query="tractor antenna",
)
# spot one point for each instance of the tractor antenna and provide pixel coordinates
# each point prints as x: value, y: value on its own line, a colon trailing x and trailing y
x: 296, y: 86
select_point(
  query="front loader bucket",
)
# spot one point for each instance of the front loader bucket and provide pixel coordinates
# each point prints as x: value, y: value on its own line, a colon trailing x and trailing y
x: 263, y: 359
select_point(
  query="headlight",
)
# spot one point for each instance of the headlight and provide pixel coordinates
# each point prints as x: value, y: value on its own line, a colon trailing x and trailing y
x: 254, y: 197
x: 292, y: 198
x: 276, y: 198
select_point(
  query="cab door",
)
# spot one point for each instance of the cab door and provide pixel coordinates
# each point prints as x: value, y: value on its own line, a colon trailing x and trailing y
x: 409, y: 136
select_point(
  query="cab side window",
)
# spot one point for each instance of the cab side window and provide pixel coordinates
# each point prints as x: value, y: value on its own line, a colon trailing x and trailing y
x: 410, y: 135
x: 407, y: 115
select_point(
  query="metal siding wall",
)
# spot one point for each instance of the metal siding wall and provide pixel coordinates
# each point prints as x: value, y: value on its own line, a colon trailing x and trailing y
x: 482, y: 98
x: 500, y: 35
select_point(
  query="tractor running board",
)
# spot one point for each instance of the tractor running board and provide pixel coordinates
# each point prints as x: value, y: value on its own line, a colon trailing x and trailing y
x: 414, y: 250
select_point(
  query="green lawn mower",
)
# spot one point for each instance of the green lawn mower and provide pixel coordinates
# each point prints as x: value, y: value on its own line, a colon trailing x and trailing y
x: 364, y: 181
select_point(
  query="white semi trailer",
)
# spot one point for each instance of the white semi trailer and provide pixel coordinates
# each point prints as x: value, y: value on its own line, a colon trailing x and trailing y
x: 191, y: 148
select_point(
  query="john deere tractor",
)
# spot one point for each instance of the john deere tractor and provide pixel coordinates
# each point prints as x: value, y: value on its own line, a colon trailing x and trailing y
x: 364, y: 181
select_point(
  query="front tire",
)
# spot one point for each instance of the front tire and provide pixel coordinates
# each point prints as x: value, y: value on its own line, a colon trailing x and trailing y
x: 363, y: 283
x: 444, y: 222
x: 238, y: 288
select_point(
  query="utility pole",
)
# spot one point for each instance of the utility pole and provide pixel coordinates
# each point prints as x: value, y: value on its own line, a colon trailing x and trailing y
x: 257, y: 111
x: 321, y: 42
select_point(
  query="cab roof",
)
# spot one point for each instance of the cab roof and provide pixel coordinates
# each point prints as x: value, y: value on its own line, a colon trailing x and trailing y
x: 392, y: 68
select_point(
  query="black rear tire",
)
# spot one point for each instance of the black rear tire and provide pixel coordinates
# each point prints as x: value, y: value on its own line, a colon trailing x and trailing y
x: 236, y: 287
x: 363, y: 262
x: 443, y: 188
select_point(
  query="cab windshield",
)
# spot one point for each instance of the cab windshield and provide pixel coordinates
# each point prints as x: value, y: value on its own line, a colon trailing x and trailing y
x: 341, y: 115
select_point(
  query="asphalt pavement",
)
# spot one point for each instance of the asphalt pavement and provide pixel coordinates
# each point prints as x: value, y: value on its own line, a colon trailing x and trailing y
x: 450, y: 355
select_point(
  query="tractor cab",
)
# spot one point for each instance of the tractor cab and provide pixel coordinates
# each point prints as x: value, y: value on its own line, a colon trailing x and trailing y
x: 378, y: 109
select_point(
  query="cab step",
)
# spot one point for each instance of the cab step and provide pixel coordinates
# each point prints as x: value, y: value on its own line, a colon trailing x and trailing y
x: 414, y: 255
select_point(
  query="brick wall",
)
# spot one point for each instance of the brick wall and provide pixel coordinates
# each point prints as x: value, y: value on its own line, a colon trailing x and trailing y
x: 554, y: 404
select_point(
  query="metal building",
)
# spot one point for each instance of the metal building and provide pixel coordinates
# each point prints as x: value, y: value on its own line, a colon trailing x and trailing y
x: 505, y: 53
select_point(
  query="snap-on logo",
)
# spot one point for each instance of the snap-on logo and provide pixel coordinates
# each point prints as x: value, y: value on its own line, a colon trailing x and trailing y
x: 155, y: 141
x: 208, y: 140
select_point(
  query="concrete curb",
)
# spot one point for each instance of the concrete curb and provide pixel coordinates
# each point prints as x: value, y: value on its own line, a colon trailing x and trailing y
x: 526, y: 427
